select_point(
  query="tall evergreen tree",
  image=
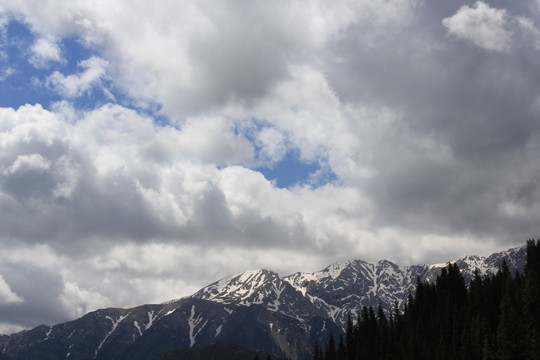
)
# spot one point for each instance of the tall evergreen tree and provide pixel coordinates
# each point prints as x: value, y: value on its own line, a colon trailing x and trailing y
x: 317, y: 352
x: 331, y: 352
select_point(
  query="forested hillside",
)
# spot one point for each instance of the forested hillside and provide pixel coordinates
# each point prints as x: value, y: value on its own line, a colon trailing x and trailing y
x: 495, y: 317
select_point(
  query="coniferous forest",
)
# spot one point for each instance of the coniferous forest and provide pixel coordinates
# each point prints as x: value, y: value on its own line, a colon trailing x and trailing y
x: 496, y: 317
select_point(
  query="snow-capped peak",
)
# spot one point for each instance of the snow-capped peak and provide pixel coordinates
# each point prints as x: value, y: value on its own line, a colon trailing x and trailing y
x: 243, y: 288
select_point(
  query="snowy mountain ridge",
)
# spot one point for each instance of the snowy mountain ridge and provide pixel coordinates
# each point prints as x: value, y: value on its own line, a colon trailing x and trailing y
x: 258, y: 309
x: 344, y: 288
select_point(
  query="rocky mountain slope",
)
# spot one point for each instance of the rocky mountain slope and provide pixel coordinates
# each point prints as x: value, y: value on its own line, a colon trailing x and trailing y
x: 282, y: 316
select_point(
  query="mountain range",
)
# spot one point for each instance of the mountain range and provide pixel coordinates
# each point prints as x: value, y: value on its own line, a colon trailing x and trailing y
x: 257, y: 309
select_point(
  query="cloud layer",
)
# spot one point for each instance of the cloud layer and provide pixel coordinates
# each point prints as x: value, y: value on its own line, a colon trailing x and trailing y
x: 140, y: 181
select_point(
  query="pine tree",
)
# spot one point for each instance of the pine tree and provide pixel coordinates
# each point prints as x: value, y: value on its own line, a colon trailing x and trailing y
x: 350, y: 339
x: 341, y: 350
x: 330, y: 353
x: 317, y: 352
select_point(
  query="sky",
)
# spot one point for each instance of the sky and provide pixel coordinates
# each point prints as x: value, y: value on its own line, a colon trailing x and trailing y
x: 148, y: 149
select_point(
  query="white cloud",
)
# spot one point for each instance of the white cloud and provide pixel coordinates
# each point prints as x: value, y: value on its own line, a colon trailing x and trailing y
x: 71, y: 173
x: 213, y: 140
x: 300, y: 108
x: 6, y: 72
x: 487, y: 27
x: 44, y: 51
x: 4, y: 19
x: 75, y: 85
x: 272, y: 146
x: 8, y: 328
x: 28, y: 162
x: 6, y: 294
x: 79, y: 301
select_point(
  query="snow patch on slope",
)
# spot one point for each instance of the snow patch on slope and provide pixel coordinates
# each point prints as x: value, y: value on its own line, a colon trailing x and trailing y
x: 151, y: 318
x: 136, y: 324
x: 115, y: 324
x: 193, y: 322
x: 170, y: 312
x: 48, y: 333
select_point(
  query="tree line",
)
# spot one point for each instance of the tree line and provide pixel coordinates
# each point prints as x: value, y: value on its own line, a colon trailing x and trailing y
x: 495, y: 317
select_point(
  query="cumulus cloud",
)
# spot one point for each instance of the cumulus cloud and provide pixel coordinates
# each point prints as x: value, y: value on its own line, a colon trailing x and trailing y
x: 486, y: 27
x: 94, y: 71
x: 45, y: 51
x: 113, y: 174
x: 213, y: 140
x: 482, y: 25
x: 272, y: 145
x: 299, y: 108
x: 27, y: 162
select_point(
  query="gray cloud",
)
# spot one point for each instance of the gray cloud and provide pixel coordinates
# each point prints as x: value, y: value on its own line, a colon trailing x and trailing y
x: 475, y: 110
x: 40, y: 290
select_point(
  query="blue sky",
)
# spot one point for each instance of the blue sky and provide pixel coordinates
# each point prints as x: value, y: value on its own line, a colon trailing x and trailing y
x: 291, y: 170
x: 17, y: 89
x: 141, y: 141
